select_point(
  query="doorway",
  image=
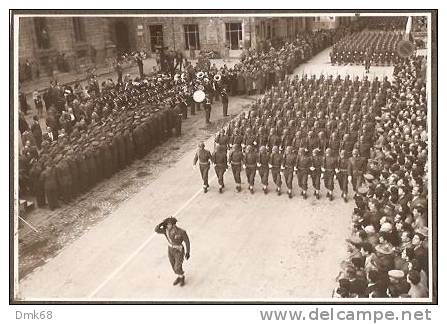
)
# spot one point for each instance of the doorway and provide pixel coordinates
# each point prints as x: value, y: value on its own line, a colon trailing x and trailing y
x: 122, y: 37
x: 233, y: 35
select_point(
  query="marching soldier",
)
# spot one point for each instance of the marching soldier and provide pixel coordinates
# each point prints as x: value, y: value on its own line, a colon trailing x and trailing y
x: 288, y: 167
x: 356, y: 169
x: 235, y: 160
x: 176, y: 249
x: 263, y: 167
x: 222, y: 139
x: 236, y: 138
x: 342, y: 174
x: 204, y: 158
x: 315, y: 169
x: 275, y: 164
x: 329, y: 164
x: 249, y: 161
x: 303, y: 164
x: 219, y: 159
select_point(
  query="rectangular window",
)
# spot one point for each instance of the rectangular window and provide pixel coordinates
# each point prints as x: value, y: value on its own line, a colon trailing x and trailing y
x: 192, y: 37
x: 79, y: 31
x: 233, y: 34
x: 41, y: 29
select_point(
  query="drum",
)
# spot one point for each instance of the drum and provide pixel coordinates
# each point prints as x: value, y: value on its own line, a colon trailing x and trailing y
x: 198, y: 96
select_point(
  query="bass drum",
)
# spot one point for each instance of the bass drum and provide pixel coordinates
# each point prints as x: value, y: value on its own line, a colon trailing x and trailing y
x: 198, y: 96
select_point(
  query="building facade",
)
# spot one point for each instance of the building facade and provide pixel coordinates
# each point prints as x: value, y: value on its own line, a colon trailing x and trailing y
x: 68, y: 43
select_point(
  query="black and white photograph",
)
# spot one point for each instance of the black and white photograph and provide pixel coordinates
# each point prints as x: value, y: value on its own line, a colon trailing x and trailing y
x: 222, y: 156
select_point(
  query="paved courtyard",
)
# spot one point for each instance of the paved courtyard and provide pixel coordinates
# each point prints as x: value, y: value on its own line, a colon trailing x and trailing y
x: 243, y: 246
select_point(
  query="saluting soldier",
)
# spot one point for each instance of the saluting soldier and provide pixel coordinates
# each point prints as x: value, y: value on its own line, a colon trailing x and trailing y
x: 204, y: 158
x: 275, y: 164
x: 178, y: 240
x: 315, y: 168
x: 249, y: 162
x: 219, y: 159
x: 263, y: 167
x: 329, y: 165
x: 342, y: 174
x: 235, y: 159
x: 288, y: 167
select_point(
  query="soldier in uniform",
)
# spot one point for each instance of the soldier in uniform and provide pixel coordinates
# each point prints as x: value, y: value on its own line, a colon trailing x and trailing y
x: 275, y: 164
x: 263, y: 167
x: 235, y: 159
x: 219, y: 159
x: 329, y: 164
x: 316, y: 164
x: 50, y: 184
x: 37, y: 183
x: 356, y: 169
x: 64, y: 179
x: 176, y: 249
x: 224, y: 97
x: 249, y: 162
x: 342, y: 174
x: 289, y: 166
x: 303, y: 164
x: 222, y: 139
x: 207, y: 107
x: 204, y: 157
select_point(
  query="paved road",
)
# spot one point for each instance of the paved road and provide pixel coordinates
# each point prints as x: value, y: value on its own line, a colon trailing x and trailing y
x: 244, y: 246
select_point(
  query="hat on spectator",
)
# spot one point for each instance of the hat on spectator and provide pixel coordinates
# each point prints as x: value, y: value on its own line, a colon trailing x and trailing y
x: 396, y: 274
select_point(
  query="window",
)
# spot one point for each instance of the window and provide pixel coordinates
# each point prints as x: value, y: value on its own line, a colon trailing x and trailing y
x: 192, y: 37
x: 233, y: 34
x: 78, y: 27
x: 41, y: 29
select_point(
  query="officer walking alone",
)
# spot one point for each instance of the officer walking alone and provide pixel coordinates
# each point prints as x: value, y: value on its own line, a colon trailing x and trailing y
x: 176, y: 250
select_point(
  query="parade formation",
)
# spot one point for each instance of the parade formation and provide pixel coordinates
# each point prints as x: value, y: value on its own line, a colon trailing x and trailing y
x: 348, y: 139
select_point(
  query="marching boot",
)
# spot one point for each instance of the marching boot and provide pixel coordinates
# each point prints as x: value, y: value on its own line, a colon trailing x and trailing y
x: 304, y: 194
x: 205, y: 189
x: 252, y: 190
x: 345, y: 198
x: 177, y: 281
x: 182, y: 281
x: 327, y: 194
x: 290, y: 193
x: 331, y: 197
x: 220, y: 189
x: 238, y: 188
x: 278, y: 190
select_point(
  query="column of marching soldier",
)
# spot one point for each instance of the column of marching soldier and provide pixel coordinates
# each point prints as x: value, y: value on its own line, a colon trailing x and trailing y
x: 94, y: 132
x: 323, y: 128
